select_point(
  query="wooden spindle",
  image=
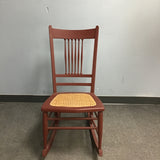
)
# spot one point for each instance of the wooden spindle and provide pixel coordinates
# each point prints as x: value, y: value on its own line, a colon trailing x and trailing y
x: 75, y: 58
x: 72, y: 56
x: 68, y: 57
x: 78, y: 54
x: 81, y: 55
x: 65, y: 56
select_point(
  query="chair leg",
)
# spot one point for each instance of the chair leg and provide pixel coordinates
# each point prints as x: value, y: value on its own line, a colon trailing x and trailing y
x: 48, y: 143
x: 45, y: 131
x: 100, y: 127
x: 57, y: 115
x: 97, y: 140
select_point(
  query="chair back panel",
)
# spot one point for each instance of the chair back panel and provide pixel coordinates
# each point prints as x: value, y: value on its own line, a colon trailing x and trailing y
x: 73, y: 54
x: 73, y: 59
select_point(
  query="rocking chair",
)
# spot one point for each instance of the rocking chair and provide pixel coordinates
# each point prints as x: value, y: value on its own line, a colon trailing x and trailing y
x: 73, y: 102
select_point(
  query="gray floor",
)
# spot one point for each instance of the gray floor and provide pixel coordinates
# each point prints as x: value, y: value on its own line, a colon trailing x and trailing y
x: 131, y: 132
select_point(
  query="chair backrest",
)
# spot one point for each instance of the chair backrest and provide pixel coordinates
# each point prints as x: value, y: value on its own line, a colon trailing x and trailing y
x: 73, y: 55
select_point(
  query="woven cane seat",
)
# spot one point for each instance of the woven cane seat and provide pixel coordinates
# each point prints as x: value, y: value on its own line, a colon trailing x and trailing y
x: 73, y: 100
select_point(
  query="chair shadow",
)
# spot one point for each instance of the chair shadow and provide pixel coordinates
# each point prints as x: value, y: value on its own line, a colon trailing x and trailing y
x: 94, y: 150
x: 35, y: 139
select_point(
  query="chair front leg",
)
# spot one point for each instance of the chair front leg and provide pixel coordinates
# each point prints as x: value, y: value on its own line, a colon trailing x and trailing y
x: 100, y: 128
x: 48, y: 140
x: 45, y: 130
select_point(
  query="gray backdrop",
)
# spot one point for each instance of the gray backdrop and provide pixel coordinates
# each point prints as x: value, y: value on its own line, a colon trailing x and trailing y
x: 129, y: 44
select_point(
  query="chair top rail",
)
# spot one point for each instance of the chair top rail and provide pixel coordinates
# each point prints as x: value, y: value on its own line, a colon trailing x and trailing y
x: 72, y: 34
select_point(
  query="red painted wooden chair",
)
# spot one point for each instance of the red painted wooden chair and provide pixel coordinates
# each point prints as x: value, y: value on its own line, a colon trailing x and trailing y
x: 76, y: 102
